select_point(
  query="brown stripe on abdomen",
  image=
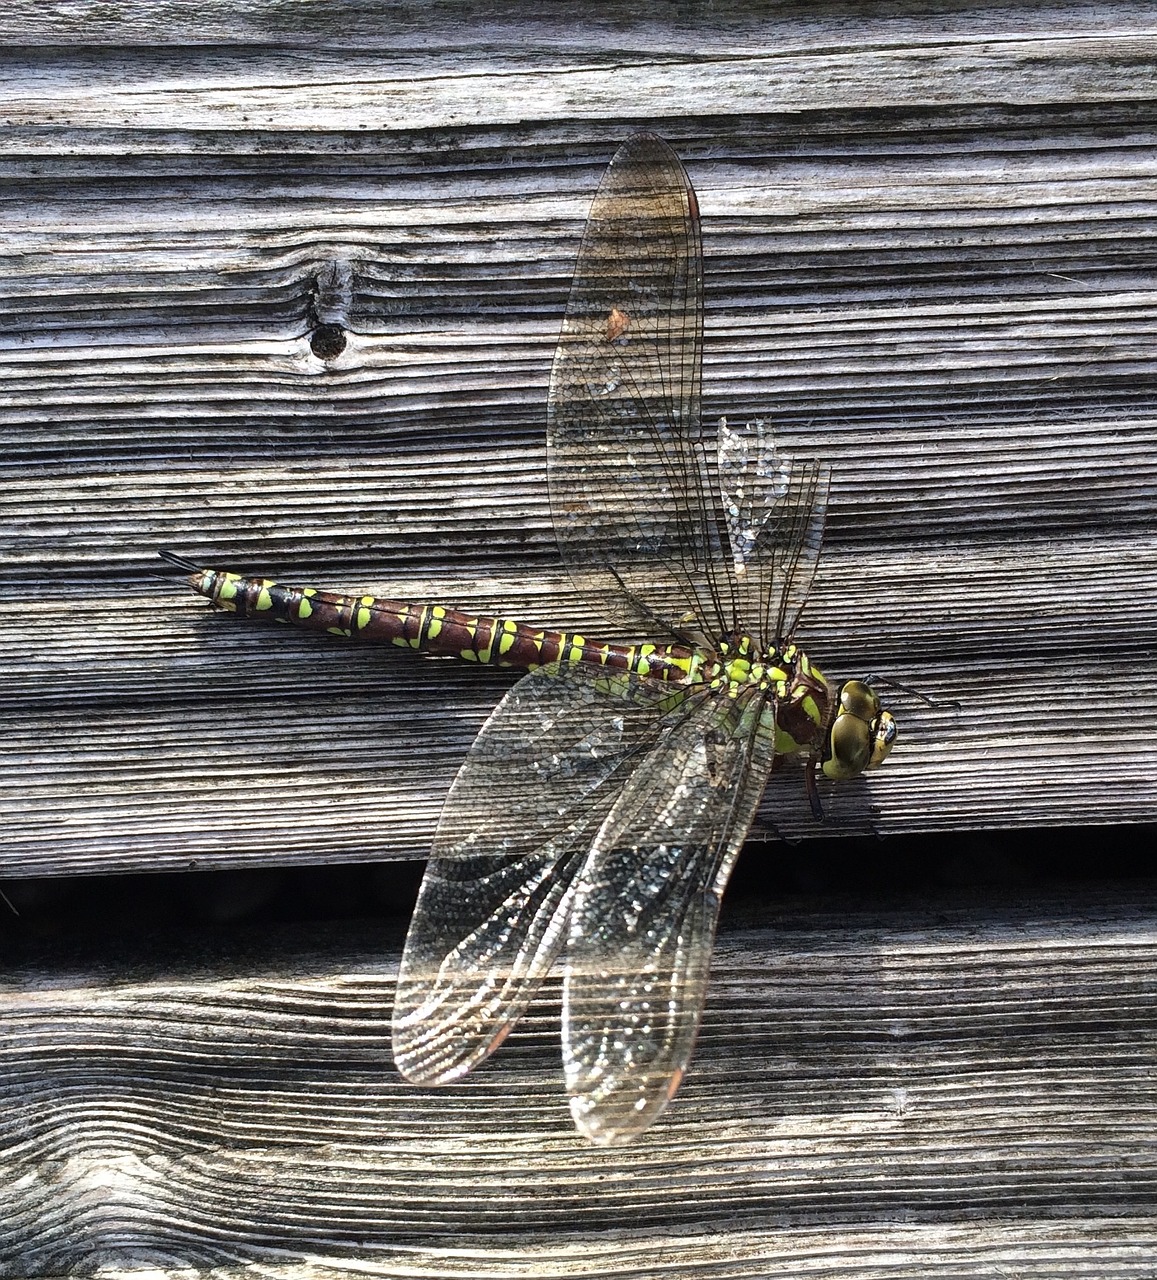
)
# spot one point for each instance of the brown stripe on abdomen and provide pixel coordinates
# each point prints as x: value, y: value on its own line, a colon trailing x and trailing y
x: 434, y: 628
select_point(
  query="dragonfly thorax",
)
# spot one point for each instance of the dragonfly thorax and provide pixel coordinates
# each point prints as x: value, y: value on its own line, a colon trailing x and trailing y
x: 741, y: 664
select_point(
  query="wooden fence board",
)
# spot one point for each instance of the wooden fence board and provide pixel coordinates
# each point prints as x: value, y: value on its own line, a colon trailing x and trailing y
x: 931, y: 257
x: 950, y: 1088
x: 955, y: 310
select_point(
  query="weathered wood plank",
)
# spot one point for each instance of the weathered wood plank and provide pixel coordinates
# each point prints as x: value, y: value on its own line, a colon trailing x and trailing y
x: 187, y: 771
x: 862, y: 1091
x: 862, y: 65
x: 956, y: 310
x: 507, y: 25
x: 931, y: 257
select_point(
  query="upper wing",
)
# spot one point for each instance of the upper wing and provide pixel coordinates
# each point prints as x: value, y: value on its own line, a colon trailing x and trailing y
x: 517, y: 824
x: 656, y: 522
x: 774, y: 509
x: 634, y: 506
x: 642, y: 920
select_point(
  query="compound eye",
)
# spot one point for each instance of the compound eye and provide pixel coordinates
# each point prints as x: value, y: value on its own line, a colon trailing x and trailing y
x: 885, y: 735
x: 850, y: 747
x: 858, y: 699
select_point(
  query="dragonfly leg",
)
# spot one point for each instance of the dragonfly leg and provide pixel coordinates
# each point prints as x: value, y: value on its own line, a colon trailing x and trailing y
x: 813, y: 791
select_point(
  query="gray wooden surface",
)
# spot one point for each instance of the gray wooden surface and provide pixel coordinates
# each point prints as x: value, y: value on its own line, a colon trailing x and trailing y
x: 931, y: 255
x: 956, y: 1089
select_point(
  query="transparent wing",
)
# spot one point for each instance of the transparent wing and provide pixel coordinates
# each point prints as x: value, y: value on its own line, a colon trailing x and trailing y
x: 643, y: 916
x: 657, y: 523
x: 519, y: 820
x: 634, y: 507
x: 774, y: 508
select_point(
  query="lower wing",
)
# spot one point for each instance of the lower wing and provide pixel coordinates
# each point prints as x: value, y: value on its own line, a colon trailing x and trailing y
x: 517, y: 826
x: 644, y: 911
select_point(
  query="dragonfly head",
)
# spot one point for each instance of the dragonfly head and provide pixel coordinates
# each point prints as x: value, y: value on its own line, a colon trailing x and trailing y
x: 861, y: 732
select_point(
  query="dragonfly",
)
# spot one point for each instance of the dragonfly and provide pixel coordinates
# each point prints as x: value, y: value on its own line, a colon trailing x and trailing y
x: 599, y: 812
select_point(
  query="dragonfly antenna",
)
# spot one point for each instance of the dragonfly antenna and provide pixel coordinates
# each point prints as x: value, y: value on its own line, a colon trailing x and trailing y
x: 887, y: 683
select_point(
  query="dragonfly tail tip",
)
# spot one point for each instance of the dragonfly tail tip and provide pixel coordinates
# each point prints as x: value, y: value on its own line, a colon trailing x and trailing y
x: 179, y: 562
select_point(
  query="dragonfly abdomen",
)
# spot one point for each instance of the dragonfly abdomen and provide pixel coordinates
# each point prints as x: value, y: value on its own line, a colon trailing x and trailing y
x: 434, y: 628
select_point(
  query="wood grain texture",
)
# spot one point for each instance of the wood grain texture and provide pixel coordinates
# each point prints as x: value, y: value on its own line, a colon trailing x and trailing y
x: 937, y: 1090
x: 931, y: 255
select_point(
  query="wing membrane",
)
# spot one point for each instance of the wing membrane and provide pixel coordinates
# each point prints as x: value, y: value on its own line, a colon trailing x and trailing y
x: 603, y: 813
x: 491, y: 916
x: 642, y: 922
x: 774, y: 510
x: 634, y: 510
x: 634, y: 479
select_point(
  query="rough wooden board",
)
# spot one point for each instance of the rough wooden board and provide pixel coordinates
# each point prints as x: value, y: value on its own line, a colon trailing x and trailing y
x: 930, y: 1089
x: 931, y: 255
x: 955, y: 308
x: 339, y: 752
x: 1078, y: 1248
x: 509, y: 26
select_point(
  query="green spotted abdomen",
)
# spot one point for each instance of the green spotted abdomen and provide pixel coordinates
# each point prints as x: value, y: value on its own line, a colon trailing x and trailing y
x: 435, y: 629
